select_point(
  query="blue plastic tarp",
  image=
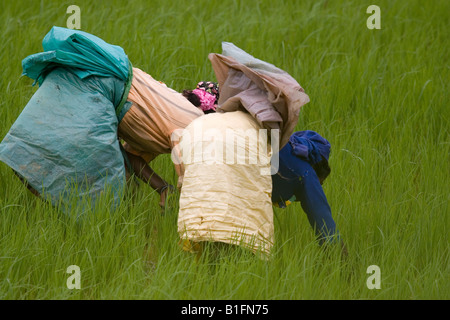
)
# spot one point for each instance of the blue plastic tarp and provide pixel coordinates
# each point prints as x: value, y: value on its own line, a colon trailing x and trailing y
x: 64, y: 142
x: 87, y: 53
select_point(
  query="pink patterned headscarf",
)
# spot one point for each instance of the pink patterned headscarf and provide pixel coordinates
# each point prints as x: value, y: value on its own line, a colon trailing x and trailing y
x: 207, y: 100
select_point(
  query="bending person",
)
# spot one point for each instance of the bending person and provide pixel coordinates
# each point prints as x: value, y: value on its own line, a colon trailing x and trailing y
x: 89, y: 95
x: 154, y: 114
x: 303, y: 168
x: 225, y: 196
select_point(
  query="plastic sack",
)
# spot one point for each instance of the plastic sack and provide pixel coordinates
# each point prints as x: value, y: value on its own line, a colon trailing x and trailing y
x: 67, y: 136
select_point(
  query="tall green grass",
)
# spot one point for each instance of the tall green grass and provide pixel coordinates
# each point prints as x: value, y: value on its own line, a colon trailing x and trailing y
x: 379, y: 96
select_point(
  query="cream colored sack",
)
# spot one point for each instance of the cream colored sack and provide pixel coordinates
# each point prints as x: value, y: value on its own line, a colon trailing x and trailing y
x: 226, y: 192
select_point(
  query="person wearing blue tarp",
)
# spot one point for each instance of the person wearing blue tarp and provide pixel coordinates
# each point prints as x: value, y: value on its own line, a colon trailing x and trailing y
x: 89, y: 96
x: 303, y: 167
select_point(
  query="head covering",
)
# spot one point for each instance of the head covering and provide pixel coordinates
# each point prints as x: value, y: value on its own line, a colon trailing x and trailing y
x: 207, y: 100
x: 310, y: 146
x: 210, y: 87
x: 282, y: 94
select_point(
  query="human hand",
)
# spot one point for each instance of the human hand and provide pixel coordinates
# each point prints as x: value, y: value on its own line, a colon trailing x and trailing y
x: 164, y: 195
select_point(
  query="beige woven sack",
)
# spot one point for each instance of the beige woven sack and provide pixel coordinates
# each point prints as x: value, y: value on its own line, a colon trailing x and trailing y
x: 224, y: 199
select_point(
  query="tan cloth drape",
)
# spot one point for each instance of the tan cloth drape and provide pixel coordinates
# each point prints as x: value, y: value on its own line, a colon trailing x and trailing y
x: 157, y: 111
x: 268, y: 93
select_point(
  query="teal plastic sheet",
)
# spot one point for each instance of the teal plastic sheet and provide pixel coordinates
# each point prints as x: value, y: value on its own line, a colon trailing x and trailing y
x: 65, y: 139
x: 64, y: 143
x: 87, y: 53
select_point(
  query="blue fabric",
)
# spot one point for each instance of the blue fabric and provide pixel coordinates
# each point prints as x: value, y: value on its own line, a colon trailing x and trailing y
x: 296, y: 180
x: 66, y: 138
x: 310, y: 146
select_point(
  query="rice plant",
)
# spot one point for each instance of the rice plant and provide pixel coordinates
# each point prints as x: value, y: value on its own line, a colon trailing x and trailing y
x: 380, y: 96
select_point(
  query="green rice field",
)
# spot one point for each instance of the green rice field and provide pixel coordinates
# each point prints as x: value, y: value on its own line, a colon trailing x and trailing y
x: 380, y: 96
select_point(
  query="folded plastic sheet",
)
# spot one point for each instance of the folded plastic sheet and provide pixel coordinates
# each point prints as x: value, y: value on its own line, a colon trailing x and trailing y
x: 86, y: 53
x: 226, y: 195
x: 269, y: 94
x: 65, y: 139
